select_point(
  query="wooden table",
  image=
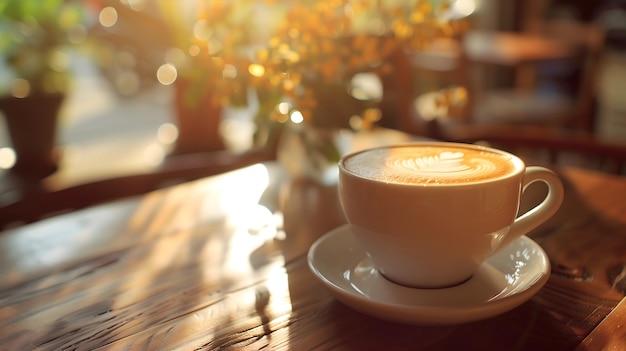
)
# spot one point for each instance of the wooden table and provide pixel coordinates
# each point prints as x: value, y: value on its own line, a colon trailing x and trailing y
x: 220, y: 263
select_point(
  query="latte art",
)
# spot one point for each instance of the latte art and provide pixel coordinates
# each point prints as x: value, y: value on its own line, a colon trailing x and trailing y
x: 445, y: 165
x: 446, y: 162
x: 430, y: 165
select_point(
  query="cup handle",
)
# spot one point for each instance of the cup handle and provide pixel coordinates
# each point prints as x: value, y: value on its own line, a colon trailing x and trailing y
x: 542, y: 212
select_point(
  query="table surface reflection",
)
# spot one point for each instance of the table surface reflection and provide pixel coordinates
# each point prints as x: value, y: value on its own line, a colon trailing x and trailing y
x: 220, y: 263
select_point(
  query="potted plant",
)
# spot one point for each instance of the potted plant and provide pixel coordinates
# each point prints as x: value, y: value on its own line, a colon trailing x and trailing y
x: 208, y: 64
x: 34, y: 37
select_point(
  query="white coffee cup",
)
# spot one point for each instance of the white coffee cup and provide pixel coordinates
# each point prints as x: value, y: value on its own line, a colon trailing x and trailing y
x: 429, y: 214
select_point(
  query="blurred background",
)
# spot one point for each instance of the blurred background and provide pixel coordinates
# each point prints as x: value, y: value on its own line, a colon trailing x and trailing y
x: 128, y: 69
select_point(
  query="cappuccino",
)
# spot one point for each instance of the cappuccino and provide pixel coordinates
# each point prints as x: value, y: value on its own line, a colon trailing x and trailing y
x: 429, y: 213
x: 427, y: 164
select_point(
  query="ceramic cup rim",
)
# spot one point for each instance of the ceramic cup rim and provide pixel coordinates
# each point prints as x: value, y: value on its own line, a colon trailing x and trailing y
x: 518, y: 164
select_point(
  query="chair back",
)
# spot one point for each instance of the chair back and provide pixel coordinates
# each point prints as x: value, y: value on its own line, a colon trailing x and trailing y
x: 546, y: 146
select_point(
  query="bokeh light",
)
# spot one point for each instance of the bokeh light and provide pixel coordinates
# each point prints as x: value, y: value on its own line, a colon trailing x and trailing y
x: 167, y: 133
x: 283, y: 108
x: 60, y: 61
x: 366, y: 87
x: 108, y: 16
x: 21, y: 88
x: 167, y: 74
x: 297, y: 117
x: 77, y: 34
x: 7, y: 158
x: 194, y: 50
x: 136, y: 5
x: 176, y: 56
x: 127, y: 82
x: 154, y: 154
x: 202, y: 30
x: 229, y: 71
x: 464, y: 8
x: 256, y: 70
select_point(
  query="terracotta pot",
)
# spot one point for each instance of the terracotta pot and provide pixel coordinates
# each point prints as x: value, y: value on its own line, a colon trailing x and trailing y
x: 32, y: 125
x: 198, y: 118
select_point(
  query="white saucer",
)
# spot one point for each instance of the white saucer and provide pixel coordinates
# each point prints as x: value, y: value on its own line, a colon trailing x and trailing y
x: 508, y: 279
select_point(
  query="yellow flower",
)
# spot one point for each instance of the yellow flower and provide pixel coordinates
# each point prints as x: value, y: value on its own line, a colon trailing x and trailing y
x: 314, y: 46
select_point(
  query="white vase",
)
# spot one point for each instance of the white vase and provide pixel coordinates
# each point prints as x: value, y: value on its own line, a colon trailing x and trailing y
x: 313, y: 153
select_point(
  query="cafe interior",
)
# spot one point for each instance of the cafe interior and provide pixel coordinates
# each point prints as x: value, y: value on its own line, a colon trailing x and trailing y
x: 540, y: 78
x: 109, y: 100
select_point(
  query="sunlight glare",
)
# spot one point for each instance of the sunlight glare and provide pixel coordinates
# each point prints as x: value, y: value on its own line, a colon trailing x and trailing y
x: 244, y: 188
x: 280, y: 297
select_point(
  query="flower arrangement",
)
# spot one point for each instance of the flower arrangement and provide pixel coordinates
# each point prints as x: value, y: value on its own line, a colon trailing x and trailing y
x: 320, y: 46
x: 312, y: 57
x: 300, y: 55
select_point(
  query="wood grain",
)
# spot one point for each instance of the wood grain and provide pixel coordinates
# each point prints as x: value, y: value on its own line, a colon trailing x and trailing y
x: 220, y: 264
x: 611, y: 334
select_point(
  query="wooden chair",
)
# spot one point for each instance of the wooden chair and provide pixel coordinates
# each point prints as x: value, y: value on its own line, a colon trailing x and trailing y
x: 557, y: 92
x: 544, y: 146
x: 545, y: 129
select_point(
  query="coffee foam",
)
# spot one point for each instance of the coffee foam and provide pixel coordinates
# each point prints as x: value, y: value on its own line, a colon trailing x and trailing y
x: 430, y: 164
